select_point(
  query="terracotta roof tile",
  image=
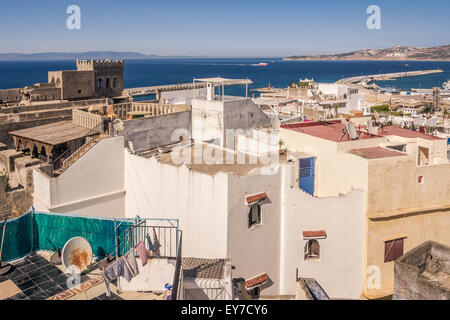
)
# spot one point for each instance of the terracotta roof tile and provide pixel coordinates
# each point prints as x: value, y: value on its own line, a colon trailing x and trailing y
x: 203, y: 268
x: 256, y: 281
x: 312, y: 234
x: 256, y: 197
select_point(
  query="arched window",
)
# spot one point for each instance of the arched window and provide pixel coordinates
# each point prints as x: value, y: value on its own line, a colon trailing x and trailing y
x: 35, y: 152
x: 312, y: 250
x: 100, y: 83
x: 43, y: 154
x: 108, y: 83
x: 116, y: 83
x: 254, y: 215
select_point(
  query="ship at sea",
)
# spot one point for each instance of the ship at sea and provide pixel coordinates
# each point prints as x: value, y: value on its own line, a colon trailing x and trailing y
x: 446, y: 86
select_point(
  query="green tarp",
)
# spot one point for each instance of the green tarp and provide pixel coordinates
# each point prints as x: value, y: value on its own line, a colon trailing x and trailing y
x: 17, y: 240
x: 47, y: 231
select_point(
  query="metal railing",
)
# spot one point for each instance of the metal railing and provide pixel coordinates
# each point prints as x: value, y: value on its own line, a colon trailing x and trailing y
x: 162, y: 237
x: 67, y: 158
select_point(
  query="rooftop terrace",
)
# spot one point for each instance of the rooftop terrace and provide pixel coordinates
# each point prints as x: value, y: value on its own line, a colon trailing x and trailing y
x: 333, y: 131
x: 36, y: 273
x: 376, y: 153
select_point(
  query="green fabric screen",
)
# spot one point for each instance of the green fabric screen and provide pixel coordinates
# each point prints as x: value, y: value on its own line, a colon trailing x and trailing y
x: 48, y: 231
x: 17, y: 240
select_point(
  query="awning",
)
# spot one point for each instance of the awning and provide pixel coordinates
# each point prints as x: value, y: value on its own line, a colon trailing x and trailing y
x: 256, y: 281
x: 314, y: 234
x: 255, y: 198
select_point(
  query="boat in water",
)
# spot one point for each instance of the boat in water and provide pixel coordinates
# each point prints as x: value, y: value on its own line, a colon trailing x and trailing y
x: 263, y: 64
x: 446, y: 86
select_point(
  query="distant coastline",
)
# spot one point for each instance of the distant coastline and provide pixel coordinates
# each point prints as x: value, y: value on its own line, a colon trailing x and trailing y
x: 398, y: 53
x: 362, y: 59
x: 58, y: 56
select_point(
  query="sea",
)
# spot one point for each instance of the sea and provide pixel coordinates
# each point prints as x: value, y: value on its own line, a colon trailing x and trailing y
x: 278, y: 73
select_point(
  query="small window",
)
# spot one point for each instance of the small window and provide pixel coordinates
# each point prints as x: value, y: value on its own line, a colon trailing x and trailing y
x: 423, y: 157
x: 116, y: 83
x: 108, y: 83
x: 312, y: 250
x: 393, y: 250
x: 254, y: 216
x: 100, y: 83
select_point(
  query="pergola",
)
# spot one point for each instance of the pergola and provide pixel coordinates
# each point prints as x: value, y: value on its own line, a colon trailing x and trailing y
x: 42, y: 140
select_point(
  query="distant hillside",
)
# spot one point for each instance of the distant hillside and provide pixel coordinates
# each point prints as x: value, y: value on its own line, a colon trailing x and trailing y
x: 112, y: 55
x: 394, y: 53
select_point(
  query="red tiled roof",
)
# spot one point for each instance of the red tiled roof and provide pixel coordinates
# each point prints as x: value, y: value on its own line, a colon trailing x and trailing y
x: 256, y: 281
x: 332, y: 131
x: 256, y: 197
x: 376, y: 153
x: 406, y: 133
x: 313, y: 234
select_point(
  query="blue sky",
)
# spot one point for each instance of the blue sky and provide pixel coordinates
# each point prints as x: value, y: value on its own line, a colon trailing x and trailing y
x: 226, y: 28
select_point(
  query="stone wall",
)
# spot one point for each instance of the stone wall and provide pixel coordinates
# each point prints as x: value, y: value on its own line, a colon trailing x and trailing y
x: 151, y: 132
x: 413, y: 279
x: 73, y: 84
x: 10, y: 95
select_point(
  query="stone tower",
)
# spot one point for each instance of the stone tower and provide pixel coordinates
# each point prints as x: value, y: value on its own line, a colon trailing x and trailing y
x: 108, y: 76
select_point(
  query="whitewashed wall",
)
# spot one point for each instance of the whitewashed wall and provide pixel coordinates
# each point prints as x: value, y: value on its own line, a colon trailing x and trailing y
x: 198, y: 200
x: 92, y: 186
x: 256, y: 250
x: 340, y: 267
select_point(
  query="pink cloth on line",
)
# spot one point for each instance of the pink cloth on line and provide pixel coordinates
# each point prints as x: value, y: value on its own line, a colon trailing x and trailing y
x: 142, y: 252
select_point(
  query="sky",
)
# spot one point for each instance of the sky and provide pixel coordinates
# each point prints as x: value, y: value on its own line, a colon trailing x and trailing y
x: 228, y: 28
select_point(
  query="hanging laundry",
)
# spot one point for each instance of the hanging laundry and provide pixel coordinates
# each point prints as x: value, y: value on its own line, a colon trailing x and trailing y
x: 150, y: 243
x: 131, y: 264
x: 142, y: 251
x: 124, y: 267
x: 156, y: 244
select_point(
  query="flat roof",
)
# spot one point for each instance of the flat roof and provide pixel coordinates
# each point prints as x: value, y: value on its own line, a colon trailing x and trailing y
x: 198, y: 163
x: 54, y: 133
x: 376, y: 153
x: 406, y: 133
x: 332, y: 131
x: 225, y: 81
x: 272, y: 101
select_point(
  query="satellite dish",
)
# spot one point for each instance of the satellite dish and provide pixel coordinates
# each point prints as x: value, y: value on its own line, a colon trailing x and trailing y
x: 118, y: 125
x: 276, y: 123
x: 77, y: 252
x: 351, y: 131
x: 370, y: 127
x: 344, y: 122
x: 377, y: 116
